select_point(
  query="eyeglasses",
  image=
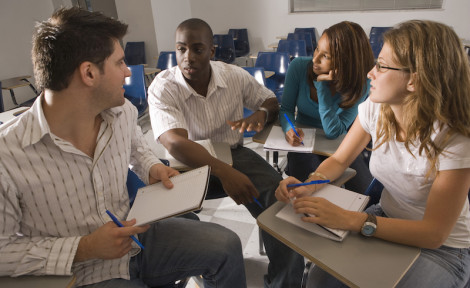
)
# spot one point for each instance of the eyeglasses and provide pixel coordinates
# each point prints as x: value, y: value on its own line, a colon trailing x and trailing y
x: 381, y: 68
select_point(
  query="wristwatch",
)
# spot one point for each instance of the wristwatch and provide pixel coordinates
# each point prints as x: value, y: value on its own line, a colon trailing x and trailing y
x: 369, y: 226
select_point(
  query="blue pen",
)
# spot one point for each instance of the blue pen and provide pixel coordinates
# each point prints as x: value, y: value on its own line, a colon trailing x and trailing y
x: 292, y: 126
x: 116, y: 221
x: 257, y: 202
x: 309, y: 183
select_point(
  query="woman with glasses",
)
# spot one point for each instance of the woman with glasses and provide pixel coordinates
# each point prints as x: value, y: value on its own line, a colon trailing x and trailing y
x: 418, y: 117
x: 324, y: 92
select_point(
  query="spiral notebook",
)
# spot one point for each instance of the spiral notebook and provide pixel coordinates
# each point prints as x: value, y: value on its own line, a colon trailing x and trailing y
x: 156, y: 202
x: 343, y: 198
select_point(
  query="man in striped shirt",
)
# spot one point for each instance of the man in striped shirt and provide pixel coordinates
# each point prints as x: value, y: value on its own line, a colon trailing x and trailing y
x: 64, y: 163
x: 203, y: 99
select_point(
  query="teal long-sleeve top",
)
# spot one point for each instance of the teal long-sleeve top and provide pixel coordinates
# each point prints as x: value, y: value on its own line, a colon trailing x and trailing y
x: 326, y: 114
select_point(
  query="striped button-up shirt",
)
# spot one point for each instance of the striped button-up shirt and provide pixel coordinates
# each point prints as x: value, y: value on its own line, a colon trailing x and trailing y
x: 51, y: 193
x: 175, y: 104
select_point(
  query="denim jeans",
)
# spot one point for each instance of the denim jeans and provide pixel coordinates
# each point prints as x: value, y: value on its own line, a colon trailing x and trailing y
x: 300, y: 165
x: 285, y: 265
x: 444, y: 267
x: 177, y: 248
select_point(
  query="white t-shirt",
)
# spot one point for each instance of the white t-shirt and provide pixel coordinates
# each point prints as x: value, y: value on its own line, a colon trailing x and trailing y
x: 404, y: 177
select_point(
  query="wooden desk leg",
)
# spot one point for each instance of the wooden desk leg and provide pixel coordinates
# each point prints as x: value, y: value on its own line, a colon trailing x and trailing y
x: 31, y: 86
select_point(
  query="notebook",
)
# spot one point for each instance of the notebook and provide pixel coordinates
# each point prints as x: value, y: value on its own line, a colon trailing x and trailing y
x: 345, y: 199
x: 161, y: 152
x: 156, y: 202
x: 277, y: 141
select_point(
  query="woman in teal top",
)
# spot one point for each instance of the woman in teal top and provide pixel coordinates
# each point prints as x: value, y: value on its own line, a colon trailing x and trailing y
x: 324, y: 93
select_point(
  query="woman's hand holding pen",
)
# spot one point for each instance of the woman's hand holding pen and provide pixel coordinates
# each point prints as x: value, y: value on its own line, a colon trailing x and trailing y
x: 286, y: 194
x: 293, y: 139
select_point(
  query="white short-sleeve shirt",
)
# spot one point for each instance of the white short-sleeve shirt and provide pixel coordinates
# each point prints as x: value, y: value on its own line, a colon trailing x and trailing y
x: 174, y: 104
x: 404, y: 176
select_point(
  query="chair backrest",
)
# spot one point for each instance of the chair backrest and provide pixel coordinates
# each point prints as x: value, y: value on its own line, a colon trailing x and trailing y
x: 135, y: 89
x: 258, y: 73
x: 376, y: 40
x: 133, y: 184
x: 240, y: 39
x: 303, y: 36
x: 278, y: 62
x: 2, y: 108
x: 312, y: 31
x: 225, y: 48
x: 295, y: 48
x: 134, y: 53
x: 166, y: 59
x: 374, y: 191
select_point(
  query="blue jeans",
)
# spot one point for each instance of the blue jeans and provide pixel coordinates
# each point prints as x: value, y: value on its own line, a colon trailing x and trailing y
x: 441, y: 268
x: 177, y: 248
x: 285, y: 265
x: 300, y: 165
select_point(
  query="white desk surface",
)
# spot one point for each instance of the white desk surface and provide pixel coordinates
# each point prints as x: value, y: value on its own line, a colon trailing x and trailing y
x: 323, y: 146
x: 10, y: 114
x: 357, y: 261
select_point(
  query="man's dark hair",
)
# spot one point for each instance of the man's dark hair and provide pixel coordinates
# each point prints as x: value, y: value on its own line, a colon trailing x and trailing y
x: 67, y: 39
x: 199, y: 25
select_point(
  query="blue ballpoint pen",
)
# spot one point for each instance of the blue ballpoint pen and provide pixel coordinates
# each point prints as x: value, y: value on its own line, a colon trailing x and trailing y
x: 309, y: 183
x: 116, y: 221
x: 257, y: 202
x: 293, y: 128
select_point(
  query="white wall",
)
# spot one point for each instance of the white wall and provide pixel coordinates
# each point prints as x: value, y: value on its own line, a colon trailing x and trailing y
x: 266, y: 19
x: 138, y: 15
x: 167, y: 15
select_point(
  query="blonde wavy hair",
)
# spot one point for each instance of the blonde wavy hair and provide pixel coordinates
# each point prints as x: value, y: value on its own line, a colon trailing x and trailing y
x: 435, y: 56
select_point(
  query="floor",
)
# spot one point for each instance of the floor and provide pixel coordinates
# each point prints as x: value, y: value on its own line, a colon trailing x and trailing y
x: 236, y: 218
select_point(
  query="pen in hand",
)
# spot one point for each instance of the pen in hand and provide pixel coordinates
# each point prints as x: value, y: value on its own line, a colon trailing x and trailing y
x: 116, y: 221
x: 308, y: 183
x: 293, y: 128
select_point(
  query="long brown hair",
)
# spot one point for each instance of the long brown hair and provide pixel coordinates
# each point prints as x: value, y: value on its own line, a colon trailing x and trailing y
x: 436, y: 59
x: 351, y: 59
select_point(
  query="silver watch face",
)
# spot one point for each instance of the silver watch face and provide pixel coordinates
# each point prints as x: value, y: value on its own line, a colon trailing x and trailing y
x: 368, y: 229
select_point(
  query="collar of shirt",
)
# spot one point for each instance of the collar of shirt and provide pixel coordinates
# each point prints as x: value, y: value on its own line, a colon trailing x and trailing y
x: 39, y: 128
x: 216, y: 81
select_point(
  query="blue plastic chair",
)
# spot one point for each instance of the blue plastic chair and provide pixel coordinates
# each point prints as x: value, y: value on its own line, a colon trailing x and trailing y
x: 258, y: 73
x: 303, y: 36
x: 134, y: 53
x: 135, y: 89
x: 376, y: 39
x: 278, y: 62
x: 240, y: 39
x: 312, y: 31
x: 295, y: 48
x: 166, y: 59
x: 225, y: 48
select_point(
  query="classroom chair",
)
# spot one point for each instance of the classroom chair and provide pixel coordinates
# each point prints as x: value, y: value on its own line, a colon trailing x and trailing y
x: 312, y: 31
x: 376, y: 40
x: 166, y: 60
x: 278, y: 62
x: 307, y: 37
x: 135, y: 89
x: 224, y: 48
x: 240, y: 39
x: 295, y: 48
x: 258, y: 73
x: 134, y: 53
